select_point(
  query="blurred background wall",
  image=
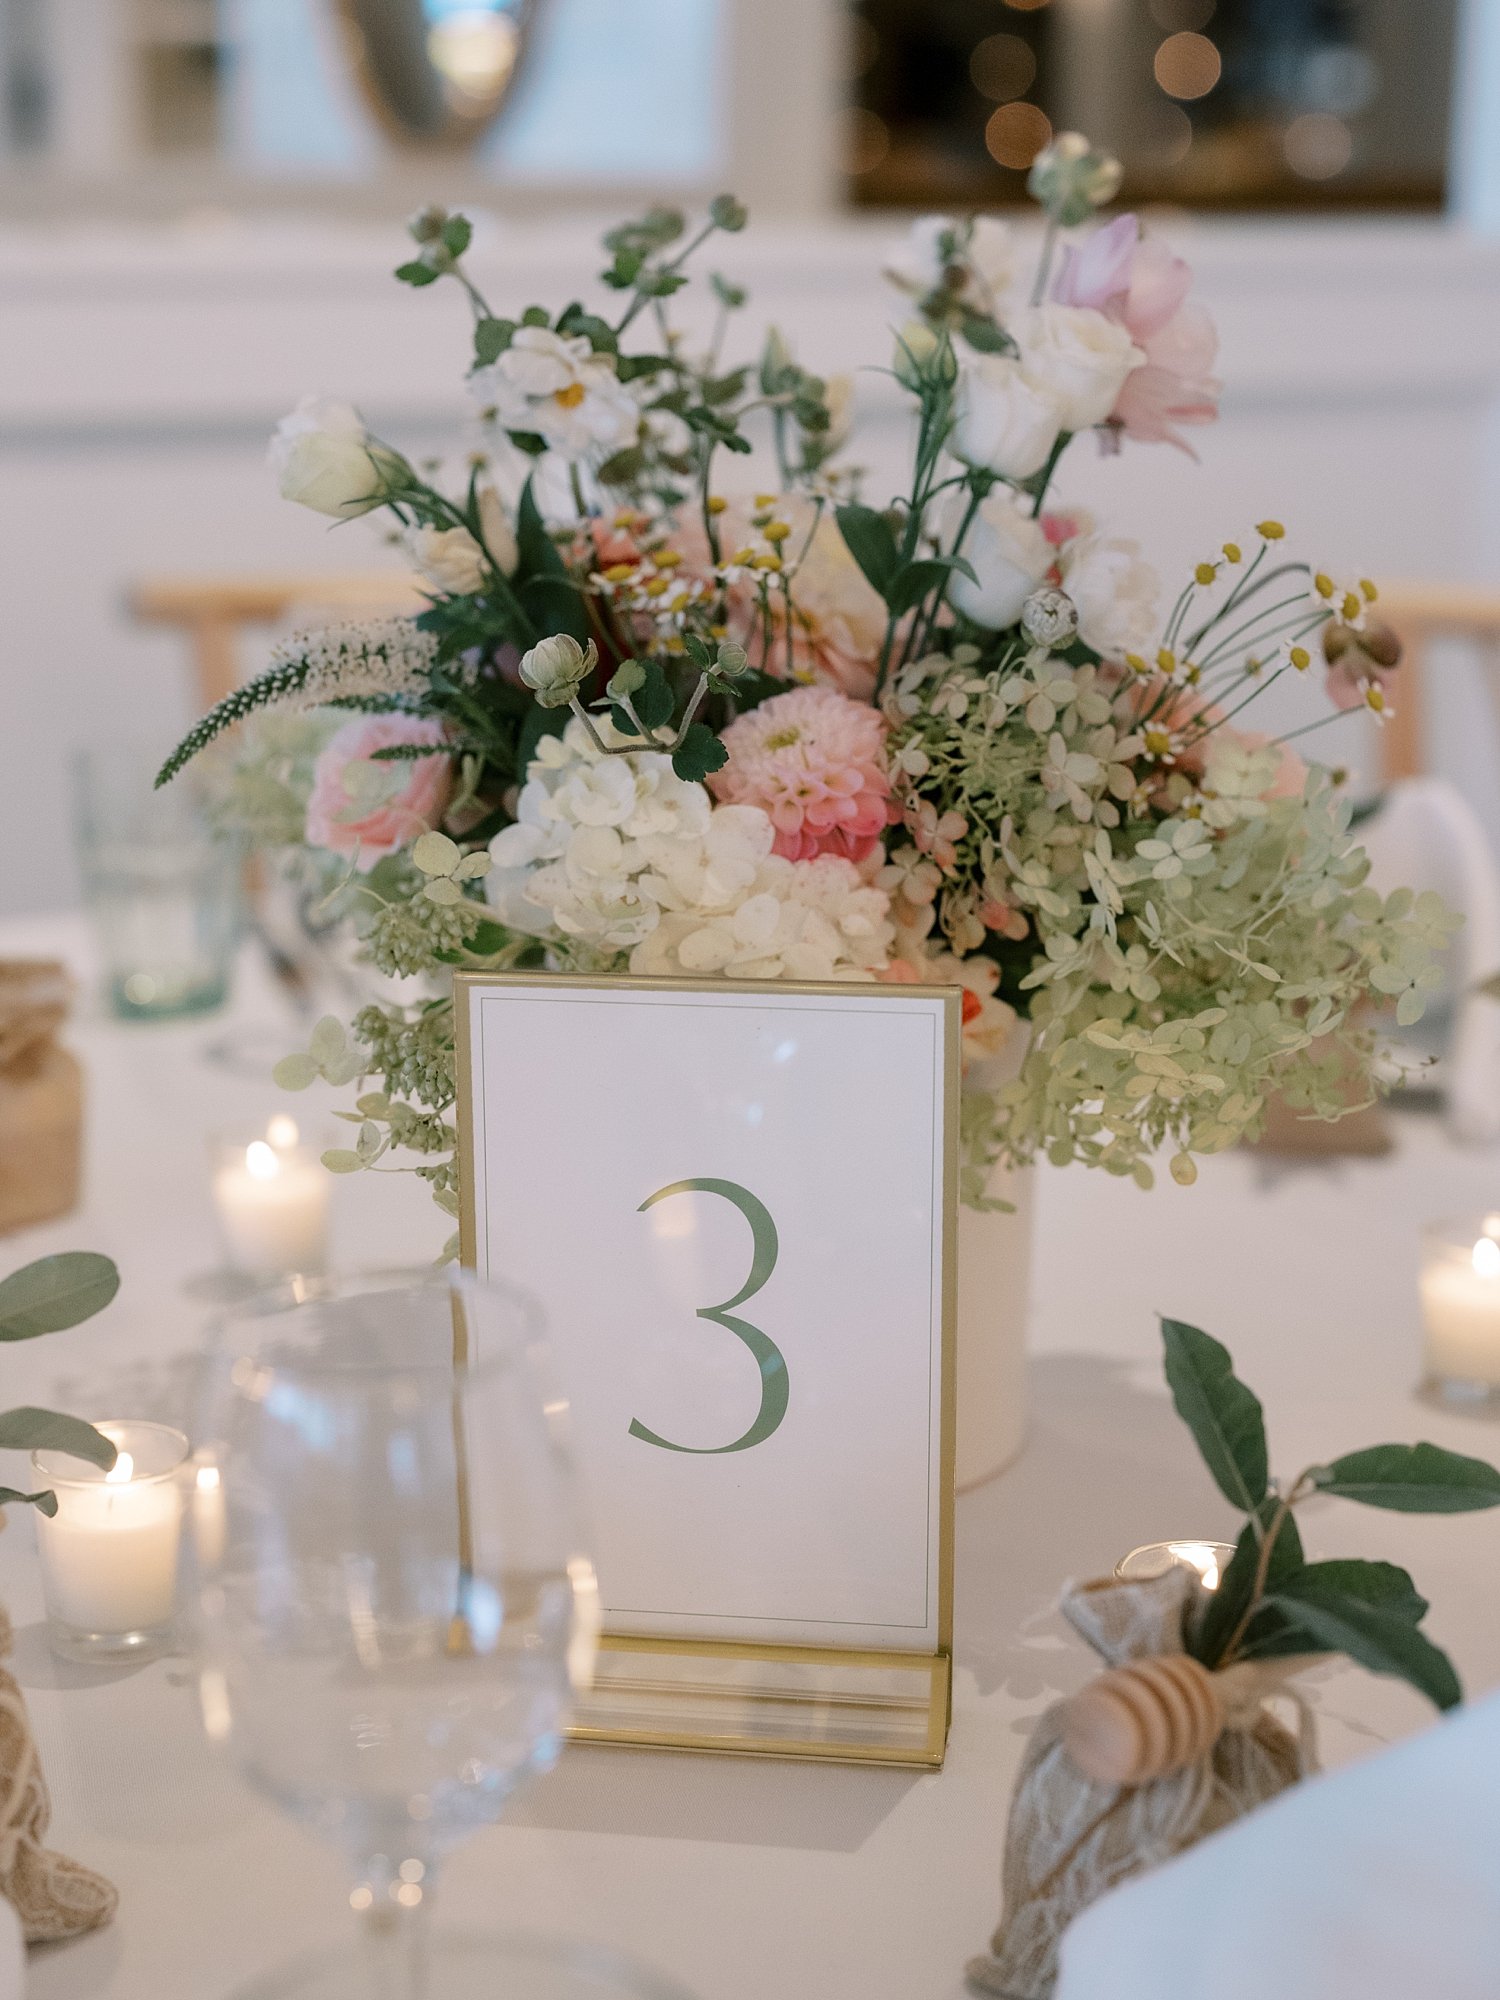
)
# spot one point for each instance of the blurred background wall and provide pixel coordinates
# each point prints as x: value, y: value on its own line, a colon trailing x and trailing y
x: 200, y: 205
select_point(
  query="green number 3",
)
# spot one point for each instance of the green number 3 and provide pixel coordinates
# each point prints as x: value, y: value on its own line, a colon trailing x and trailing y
x: 769, y: 1359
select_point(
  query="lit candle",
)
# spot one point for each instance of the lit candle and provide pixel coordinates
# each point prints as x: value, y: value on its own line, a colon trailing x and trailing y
x: 1209, y: 1559
x: 1461, y: 1308
x: 109, y: 1554
x: 272, y: 1200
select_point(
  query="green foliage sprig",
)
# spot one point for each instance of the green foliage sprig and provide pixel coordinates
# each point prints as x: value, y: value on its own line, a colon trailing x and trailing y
x: 1271, y: 1602
x: 46, y: 1297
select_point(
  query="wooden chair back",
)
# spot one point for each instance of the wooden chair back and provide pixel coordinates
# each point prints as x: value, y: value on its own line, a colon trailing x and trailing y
x: 1420, y: 613
x: 214, y: 612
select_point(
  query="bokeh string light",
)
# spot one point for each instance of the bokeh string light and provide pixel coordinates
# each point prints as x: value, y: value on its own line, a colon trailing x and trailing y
x: 1188, y: 65
x: 1002, y: 67
x: 1016, y: 133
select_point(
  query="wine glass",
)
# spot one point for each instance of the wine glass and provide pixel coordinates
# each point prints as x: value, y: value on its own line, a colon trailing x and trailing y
x: 391, y: 1598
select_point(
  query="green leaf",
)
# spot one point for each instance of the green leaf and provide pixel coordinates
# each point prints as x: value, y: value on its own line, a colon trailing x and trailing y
x: 341, y: 1160
x: 50, y: 1430
x: 1223, y: 1609
x: 1224, y: 1416
x: 1412, y: 1479
x: 295, y: 1072
x: 539, y: 553
x: 491, y: 339
x: 531, y: 442
x: 914, y: 580
x: 726, y: 213
x: 730, y: 296
x: 457, y: 235
x: 416, y: 273
x: 55, y: 1292
x: 1272, y: 1635
x: 985, y: 336
x: 699, y: 752
x: 868, y: 538
x: 45, y: 1503
x: 1383, y: 1640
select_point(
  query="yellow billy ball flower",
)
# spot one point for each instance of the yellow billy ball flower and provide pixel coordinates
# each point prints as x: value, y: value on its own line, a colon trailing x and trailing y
x: 617, y: 572
x: 1351, y: 607
x: 1192, y: 675
x: 1136, y: 663
x: 1323, y: 584
x: 776, y: 531
x: 1167, y: 661
x: 1232, y: 552
x: 1270, y: 531
x: 1367, y: 590
x: 1205, y: 573
x: 1300, y: 658
x: 1375, y: 699
x: 770, y: 563
x: 716, y: 503
x: 765, y: 499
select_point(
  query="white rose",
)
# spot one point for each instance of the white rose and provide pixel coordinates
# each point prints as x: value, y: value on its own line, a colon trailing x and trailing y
x: 454, y: 561
x: 1115, y: 594
x: 1077, y: 354
x: 1003, y: 422
x: 937, y: 245
x: 1010, y: 556
x: 323, y: 459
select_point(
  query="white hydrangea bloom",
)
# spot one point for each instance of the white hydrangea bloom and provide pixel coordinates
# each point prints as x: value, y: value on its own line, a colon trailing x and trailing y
x: 620, y: 854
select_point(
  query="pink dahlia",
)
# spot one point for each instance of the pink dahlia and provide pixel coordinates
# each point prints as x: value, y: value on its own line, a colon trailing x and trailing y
x: 814, y: 762
x: 368, y: 809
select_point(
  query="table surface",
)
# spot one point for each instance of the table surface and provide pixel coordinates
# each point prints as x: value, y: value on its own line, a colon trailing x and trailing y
x: 742, y: 1878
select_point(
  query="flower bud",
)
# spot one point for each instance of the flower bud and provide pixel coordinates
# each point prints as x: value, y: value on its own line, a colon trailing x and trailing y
x: 1049, y: 617
x: 732, y: 663
x: 556, y: 668
x: 428, y: 224
x: 1374, y: 640
x: 624, y: 681
x: 1071, y: 178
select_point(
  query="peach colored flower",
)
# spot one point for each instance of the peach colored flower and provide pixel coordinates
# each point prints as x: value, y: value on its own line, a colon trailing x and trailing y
x: 1145, y: 288
x: 935, y: 833
x: 368, y: 809
x: 814, y: 762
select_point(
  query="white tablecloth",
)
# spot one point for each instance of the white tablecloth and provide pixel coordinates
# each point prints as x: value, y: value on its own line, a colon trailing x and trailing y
x: 748, y: 1879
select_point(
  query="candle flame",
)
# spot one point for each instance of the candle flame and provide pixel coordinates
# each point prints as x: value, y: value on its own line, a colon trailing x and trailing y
x: 282, y: 1132
x: 208, y: 1478
x: 1485, y: 1257
x: 122, y: 1471
x: 261, y: 1162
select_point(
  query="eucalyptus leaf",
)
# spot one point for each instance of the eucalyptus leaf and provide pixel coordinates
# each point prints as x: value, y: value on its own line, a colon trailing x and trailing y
x: 50, y: 1430
x: 340, y: 1160
x: 55, y: 1292
x: 1274, y: 1635
x: 44, y: 1502
x: 1412, y: 1479
x: 1223, y: 1415
x: 1381, y: 1639
x: 295, y: 1072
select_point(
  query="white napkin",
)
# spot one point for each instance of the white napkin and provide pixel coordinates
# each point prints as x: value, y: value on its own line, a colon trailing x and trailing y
x: 1427, y: 836
x: 1380, y: 1882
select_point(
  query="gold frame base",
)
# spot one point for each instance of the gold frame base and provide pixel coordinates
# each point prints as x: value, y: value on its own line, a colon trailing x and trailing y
x: 739, y: 1700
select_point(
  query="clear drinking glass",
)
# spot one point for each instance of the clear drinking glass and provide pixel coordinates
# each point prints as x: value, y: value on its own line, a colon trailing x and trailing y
x: 391, y: 1596
x: 162, y: 888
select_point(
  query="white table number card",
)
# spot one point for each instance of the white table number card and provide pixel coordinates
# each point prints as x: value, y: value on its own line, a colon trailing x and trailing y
x: 736, y: 1203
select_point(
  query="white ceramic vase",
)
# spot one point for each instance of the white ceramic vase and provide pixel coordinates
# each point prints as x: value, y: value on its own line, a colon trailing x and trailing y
x: 994, y: 1289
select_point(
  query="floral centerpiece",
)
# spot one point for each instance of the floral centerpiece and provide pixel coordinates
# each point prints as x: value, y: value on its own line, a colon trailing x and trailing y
x: 660, y: 720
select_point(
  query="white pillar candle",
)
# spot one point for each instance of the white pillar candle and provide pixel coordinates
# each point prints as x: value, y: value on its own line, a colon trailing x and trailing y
x: 272, y: 1202
x: 109, y: 1554
x: 1461, y: 1304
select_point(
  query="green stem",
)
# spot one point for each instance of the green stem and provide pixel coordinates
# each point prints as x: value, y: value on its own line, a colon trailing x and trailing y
x: 1044, y: 262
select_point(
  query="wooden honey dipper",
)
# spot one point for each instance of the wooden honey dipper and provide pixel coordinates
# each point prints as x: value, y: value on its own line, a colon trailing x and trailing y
x: 1144, y: 1720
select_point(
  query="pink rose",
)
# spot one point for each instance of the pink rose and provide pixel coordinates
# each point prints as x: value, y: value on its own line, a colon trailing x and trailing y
x: 1145, y: 288
x: 367, y: 809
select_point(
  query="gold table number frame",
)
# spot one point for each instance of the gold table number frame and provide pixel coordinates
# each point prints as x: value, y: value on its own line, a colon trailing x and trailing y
x: 702, y: 1680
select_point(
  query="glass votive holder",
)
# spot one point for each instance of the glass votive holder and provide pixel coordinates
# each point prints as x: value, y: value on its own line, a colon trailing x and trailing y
x: 109, y: 1553
x: 1153, y: 1559
x: 1461, y: 1311
x: 271, y: 1196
